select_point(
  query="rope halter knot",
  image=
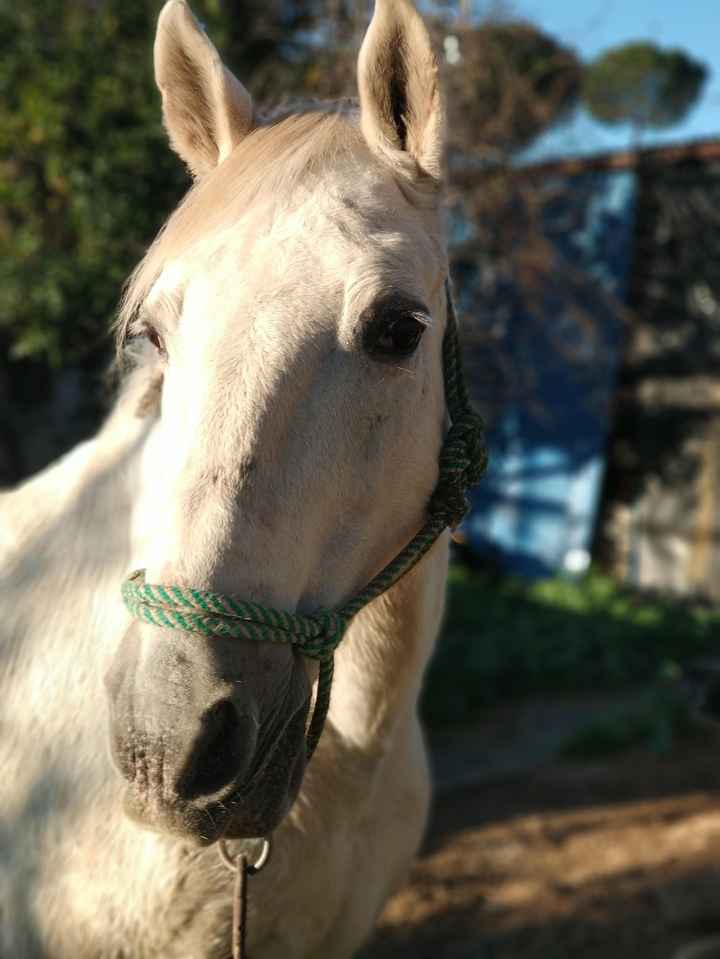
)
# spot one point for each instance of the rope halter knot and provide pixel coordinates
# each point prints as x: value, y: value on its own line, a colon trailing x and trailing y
x: 462, y: 462
x: 463, y: 459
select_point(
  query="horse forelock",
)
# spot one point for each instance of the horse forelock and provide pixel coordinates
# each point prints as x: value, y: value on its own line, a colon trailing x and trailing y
x: 292, y: 146
x: 270, y: 163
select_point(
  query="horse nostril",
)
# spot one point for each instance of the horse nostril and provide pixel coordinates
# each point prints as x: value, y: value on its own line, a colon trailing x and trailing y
x: 220, y: 754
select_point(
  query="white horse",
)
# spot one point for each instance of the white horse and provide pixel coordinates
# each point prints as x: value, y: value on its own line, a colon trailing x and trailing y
x: 278, y: 439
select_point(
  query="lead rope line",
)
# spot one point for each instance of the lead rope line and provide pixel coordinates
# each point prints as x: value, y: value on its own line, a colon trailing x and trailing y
x: 462, y: 461
x: 239, y: 916
x: 242, y: 869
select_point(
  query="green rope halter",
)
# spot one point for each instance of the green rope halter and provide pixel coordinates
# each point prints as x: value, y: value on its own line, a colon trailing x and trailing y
x: 463, y: 459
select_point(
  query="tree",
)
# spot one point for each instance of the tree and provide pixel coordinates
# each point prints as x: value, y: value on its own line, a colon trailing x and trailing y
x: 506, y: 83
x: 642, y: 84
x: 86, y: 179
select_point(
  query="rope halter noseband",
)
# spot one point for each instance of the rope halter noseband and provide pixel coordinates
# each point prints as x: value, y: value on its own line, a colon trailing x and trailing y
x: 462, y: 462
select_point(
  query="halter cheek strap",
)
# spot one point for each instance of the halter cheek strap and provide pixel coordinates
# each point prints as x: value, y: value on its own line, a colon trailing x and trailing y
x: 463, y: 459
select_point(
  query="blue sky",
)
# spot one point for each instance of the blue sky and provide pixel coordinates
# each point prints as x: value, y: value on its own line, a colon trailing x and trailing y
x: 591, y: 26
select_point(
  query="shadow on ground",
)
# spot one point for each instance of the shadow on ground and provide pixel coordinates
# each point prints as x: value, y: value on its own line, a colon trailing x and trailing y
x: 617, y: 858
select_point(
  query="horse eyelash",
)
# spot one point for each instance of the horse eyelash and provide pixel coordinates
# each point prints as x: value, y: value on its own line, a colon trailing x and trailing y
x: 150, y: 332
x: 143, y: 327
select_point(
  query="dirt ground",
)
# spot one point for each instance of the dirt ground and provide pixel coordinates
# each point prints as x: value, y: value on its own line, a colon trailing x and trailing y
x: 612, y: 860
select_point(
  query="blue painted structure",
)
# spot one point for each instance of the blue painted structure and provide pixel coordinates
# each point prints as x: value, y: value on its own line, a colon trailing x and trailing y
x: 534, y: 513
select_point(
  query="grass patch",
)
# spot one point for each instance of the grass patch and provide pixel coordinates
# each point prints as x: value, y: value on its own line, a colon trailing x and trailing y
x: 655, y: 723
x: 506, y: 638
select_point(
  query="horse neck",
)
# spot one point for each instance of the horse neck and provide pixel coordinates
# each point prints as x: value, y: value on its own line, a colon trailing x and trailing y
x: 380, y: 663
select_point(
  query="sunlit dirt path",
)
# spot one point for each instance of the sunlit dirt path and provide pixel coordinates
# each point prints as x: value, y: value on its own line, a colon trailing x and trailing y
x: 614, y: 860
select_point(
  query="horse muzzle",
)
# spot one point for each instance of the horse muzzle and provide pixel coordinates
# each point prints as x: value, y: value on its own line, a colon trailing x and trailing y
x: 209, y: 736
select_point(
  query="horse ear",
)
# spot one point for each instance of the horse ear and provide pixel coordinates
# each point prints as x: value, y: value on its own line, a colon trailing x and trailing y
x: 401, y: 106
x: 206, y: 110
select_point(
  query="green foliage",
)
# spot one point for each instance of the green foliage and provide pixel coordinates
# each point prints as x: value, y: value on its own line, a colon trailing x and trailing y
x: 86, y: 180
x: 86, y: 177
x: 642, y: 84
x: 655, y: 722
x: 504, y: 638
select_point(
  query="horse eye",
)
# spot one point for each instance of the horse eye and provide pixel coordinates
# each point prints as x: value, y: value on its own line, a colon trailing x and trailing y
x: 157, y: 341
x: 394, y: 335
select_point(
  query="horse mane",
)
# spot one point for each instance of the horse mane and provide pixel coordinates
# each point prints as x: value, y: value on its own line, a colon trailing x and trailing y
x: 285, y: 150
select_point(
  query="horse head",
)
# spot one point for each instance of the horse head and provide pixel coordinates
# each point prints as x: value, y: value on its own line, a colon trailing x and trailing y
x: 294, y: 305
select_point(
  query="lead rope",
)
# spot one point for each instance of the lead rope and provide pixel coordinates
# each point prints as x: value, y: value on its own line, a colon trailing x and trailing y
x: 243, y: 869
x: 462, y: 462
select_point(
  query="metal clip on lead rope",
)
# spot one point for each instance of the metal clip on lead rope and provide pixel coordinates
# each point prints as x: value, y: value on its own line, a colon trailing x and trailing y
x: 243, y: 870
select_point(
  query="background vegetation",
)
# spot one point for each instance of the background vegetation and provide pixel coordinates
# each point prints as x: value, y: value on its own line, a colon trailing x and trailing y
x: 505, y: 638
x: 644, y: 85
